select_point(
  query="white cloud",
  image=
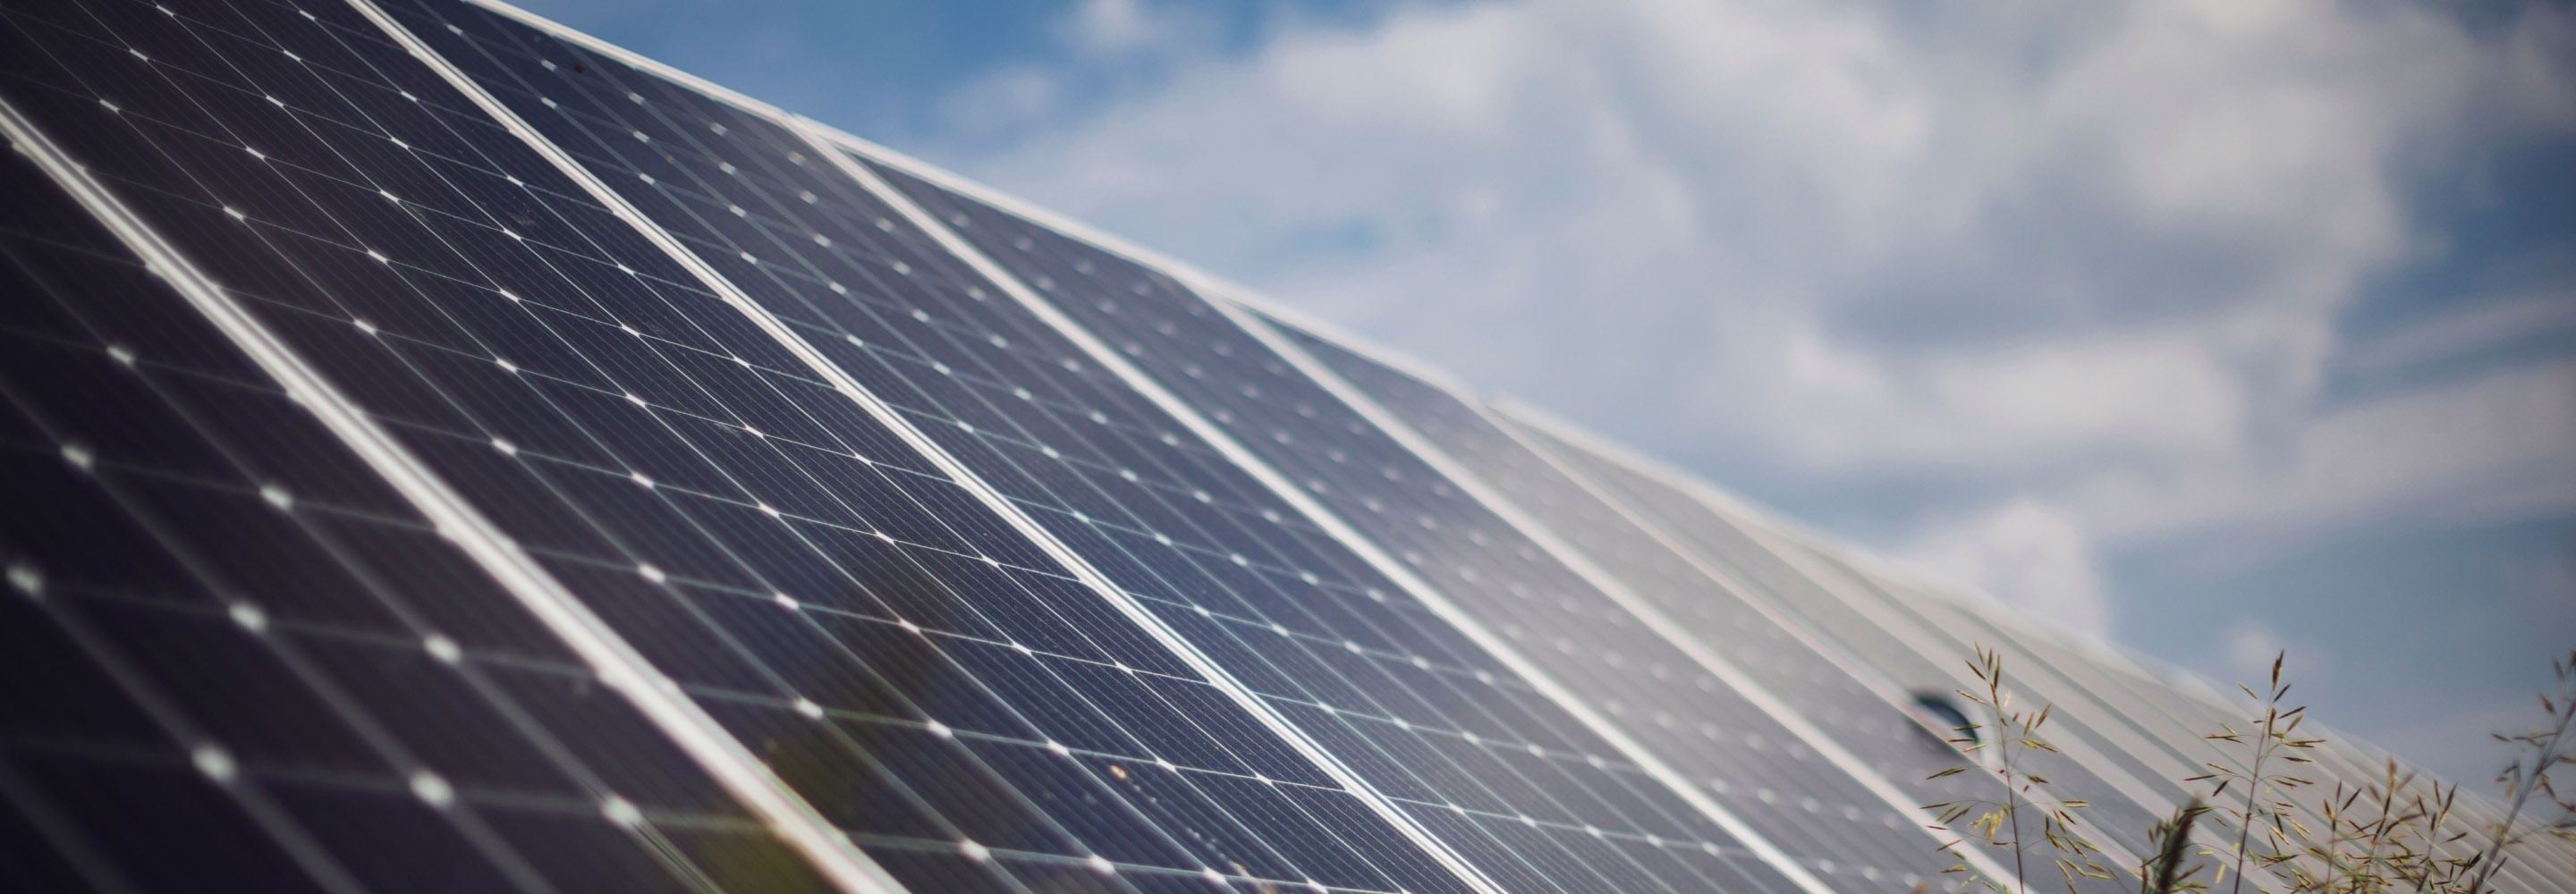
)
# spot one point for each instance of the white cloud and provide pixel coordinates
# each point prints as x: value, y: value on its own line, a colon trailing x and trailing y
x: 2031, y: 556
x: 2499, y: 446
x: 2248, y: 650
x: 1111, y: 26
x: 2486, y: 323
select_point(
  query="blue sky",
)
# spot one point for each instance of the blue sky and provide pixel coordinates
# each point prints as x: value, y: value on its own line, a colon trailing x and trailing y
x: 2210, y: 327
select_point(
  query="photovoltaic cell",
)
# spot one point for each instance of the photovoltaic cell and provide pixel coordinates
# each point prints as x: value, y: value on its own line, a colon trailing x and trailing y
x: 231, y: 652
x: 1164, y: 516
x: 1392, y: 497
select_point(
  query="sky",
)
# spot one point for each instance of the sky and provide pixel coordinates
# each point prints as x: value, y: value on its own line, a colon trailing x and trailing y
x: 2210, y: 328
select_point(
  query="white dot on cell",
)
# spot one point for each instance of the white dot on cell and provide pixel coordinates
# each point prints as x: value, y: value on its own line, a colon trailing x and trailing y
x: 212, y: 760
x: 235, y: 213
x: 379, y: 256
x: 768, y: 510
x: 248, y: 616
x: 651, y: 573
x: 632, y: 398
x: 621, y: 811
x: 1058, y: 749
x: 364, y: 325
x: 808, y: 708
x: 908, y: 625
x: 972, y: 851
x: 432, y: 789
x: 442, y: 648
x: 504, y: 445
x: 276, y: 496
x: 389, y: 196
x: 939, y: 729
x: 1101, y: 865
x: 784, y: 601
x: 640, y: 479
x: 26, y: 579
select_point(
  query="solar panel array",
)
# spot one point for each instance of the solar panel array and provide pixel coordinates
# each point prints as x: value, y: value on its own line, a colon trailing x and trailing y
x: 446, y: 452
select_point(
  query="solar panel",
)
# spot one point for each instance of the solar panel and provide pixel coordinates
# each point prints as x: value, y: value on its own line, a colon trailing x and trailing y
x: 448, y: 452
x: 1396, y: 500
x: 978, y: 396
x: 233, y: 652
